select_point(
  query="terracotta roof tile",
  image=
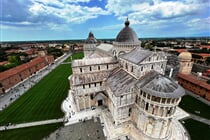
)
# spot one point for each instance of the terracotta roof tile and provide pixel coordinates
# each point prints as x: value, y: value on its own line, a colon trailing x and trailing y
x: 194, y: 80
x: 13, y: 71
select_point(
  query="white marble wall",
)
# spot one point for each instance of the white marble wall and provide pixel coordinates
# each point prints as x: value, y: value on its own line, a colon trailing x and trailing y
x: 154, y: 62
x: 93, y: 68
x: 89, y: 49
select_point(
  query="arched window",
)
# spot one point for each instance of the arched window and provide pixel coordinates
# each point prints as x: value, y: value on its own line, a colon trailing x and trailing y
x: 126, y: 66
x: 152, y: 67
x: 147, y: 106
x: 142, y: 68
x: 131, y: 68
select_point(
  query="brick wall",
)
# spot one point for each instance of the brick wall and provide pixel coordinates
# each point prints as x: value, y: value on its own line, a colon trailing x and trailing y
x: 195, y: 88
x: 15, y: 75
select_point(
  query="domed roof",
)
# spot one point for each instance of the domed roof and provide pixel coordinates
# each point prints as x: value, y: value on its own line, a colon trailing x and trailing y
x: 91, y: 39
x: 185, y: 56
x: 127, y: 34
x: 158, y: 85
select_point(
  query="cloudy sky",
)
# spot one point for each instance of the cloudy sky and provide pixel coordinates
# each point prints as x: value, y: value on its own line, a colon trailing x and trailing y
x: 74, y: 19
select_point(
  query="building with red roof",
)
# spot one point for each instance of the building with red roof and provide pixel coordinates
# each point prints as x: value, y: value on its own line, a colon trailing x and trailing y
x: 190, y: 82
x: 205, y: 46
x: 15, y: 75
x: 195, y: 85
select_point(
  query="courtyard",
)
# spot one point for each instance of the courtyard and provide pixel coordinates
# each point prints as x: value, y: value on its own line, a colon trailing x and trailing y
x: 85, y: 130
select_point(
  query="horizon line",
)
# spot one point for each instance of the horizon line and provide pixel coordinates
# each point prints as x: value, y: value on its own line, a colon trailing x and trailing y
x: 102, y: 39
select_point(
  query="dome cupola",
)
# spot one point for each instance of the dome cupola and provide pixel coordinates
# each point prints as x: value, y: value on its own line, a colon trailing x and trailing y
x: 127, y: 34
x: 91, y: 39
x: 186, y: 56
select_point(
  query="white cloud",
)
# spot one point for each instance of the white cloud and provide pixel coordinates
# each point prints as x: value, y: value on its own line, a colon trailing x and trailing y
x: 111, y: 27
x: 58, y: 27
x: 71, y: 13
x: 138, y: 10
x: 199, y: 24
x: 18, y: 25
x: 119, y: 7
x: 50, y: 2
x: 76, y: 1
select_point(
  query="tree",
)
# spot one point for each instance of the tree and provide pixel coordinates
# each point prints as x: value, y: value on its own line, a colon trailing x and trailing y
x: 14, y: 59
x: 208, y: 61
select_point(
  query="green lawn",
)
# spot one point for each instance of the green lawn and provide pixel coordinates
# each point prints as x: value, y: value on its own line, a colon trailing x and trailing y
x: 43, y: 101
x: 190, y: 104
x: 29, y: 133
x: 78, y: 55
x: 197, y: 130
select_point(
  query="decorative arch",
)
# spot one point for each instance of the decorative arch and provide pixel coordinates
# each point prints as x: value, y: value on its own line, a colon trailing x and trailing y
x: 100, y: 95
x: 100, y: 98
x: 114, y: 53
x: 121, y: 52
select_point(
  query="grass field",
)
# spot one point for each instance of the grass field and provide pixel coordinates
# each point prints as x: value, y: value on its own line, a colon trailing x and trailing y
x: 197, y: 130
x: 78, y: 55
x: 43, y: 101
x: 190, y: 104
x: 29, y: 133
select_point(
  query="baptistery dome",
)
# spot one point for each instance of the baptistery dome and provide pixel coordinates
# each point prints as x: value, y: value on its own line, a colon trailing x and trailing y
x: 91, y: 39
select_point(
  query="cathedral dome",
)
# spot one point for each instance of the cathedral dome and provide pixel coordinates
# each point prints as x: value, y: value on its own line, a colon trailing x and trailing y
x: 127, y: 34
x: 185, y: 56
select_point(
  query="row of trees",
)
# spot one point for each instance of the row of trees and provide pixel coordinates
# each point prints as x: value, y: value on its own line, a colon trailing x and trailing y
x: 14, y: 60
x: 54, y: 51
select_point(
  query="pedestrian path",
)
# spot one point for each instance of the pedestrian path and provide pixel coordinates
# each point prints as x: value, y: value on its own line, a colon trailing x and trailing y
x: 200, y: 119
x: 18, y: 90
x: 15, y: 126
x: 198, y: 97
x: 77, y: 117
x: 83, y: 115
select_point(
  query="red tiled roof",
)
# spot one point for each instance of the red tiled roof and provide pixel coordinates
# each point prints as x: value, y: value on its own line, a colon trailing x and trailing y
x: 202, y: 54
x: 181, y: 50
x: 194, y: 80
x: 13, y: 71
x: 29, y: 52
x: 206, y: 46
x: 4, y: 62
x: 12, y: 51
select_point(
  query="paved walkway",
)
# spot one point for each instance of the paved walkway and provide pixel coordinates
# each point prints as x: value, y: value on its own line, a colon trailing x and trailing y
x: 200, y: 119
x: 198, y: 97
x: 83, y: 115
x: 14, y: 126
x: 16, y: 91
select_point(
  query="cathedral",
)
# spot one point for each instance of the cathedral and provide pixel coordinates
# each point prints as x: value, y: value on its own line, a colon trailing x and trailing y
x: 129, y: 82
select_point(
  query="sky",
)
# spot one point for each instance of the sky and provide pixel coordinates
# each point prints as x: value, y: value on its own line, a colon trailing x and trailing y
x: 26, y: 20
